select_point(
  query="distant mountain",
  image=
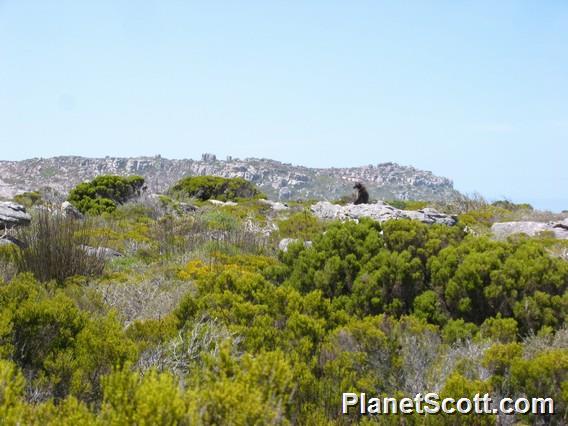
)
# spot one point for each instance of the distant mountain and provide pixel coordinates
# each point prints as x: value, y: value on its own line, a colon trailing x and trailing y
x: 278, y: 180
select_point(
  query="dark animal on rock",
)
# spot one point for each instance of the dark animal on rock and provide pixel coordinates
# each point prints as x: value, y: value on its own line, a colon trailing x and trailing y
x: 362, y: 194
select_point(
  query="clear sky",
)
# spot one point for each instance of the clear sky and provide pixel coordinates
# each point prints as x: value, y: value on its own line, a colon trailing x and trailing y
x: 473, y: 90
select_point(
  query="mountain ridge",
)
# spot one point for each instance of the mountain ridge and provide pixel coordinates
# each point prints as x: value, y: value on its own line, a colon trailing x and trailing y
x: 281, y: 181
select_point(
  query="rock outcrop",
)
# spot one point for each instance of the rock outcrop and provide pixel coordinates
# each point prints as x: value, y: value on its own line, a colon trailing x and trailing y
x: 12, y: 215
x: 380, y: 212
x: 69, y: 210
x: 505, y: 229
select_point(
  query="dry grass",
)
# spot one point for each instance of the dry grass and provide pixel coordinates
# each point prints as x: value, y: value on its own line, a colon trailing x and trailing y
x: 149, y: 299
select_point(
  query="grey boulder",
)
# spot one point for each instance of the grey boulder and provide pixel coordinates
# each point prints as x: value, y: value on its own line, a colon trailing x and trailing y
x: 284, y: 243
x: 223, y: 203
x: 102, y: 252
x: 380, y: 212
x: 69, y: 210
x: 12, y: 215
x: 275, y: 205
x: 503, y: 230
x: 5, y: 242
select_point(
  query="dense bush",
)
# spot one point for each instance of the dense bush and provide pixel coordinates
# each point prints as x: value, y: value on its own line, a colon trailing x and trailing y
x: 481, y: 278
x: 407, y: 267
x: 63, y: 349
x: 215, y: 187
x: 379, y: 269
x: 105, y: 193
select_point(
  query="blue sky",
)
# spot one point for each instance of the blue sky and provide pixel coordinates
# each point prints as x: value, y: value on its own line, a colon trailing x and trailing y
x: 475, y: 91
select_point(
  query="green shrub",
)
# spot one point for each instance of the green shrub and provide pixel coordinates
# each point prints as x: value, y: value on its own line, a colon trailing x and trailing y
x: 545, y: 375
x: 215, y: 187
x: 481, y: 278
x: 65, y: 350
x: 500, y: 329
x: 11, y: 391
x: 428, y: 306
x: 154, y: 399
x: 457, y: 386
x: 456, y: 330
x: 302, y: 225
x: 408, y: 204
x: 508, y: 205
x: 485, y: 216
x: 28, y: 199
x: 335, y: 259
x: 105, y: 193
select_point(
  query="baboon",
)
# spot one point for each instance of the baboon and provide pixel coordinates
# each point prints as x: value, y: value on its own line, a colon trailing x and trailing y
x: 362, y: 194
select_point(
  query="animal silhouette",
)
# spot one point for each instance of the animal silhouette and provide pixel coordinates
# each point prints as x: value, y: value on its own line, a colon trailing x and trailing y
x: 362, y: 194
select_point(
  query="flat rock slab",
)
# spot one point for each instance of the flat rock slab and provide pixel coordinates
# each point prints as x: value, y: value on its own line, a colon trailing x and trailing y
x: 275, y: 205
x: 13, y: 214
x: 103, y: 252
x: 223, y: 203
x: 380, y: 212
x: 503, y: 230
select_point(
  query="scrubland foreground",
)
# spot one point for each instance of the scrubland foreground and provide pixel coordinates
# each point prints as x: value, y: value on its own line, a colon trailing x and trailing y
x: 202, y: 320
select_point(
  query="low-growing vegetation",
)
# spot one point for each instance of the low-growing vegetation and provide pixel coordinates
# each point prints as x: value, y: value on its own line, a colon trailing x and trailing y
x: 202, y: 320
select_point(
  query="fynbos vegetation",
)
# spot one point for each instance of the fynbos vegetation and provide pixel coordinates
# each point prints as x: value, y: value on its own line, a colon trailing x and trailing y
x: 203, y: 320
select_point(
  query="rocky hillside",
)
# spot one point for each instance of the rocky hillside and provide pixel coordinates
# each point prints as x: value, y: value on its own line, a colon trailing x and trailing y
x: 278, y: 180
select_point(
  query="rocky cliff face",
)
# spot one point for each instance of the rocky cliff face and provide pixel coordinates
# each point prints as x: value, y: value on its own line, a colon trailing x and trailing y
x: 278, y: 180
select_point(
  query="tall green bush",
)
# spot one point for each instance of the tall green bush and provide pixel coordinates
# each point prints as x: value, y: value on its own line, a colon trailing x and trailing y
x: 105, y: 193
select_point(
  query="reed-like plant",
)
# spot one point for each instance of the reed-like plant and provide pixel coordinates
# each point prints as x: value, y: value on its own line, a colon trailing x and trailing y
x: 56, y: 248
